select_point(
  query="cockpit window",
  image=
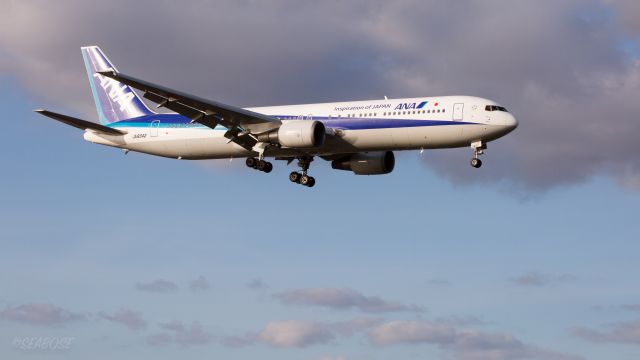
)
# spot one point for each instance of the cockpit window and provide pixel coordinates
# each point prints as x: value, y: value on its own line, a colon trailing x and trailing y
x: 495, y: 108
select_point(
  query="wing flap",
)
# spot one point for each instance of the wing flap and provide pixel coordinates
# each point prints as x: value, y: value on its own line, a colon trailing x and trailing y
x: 80, y: 124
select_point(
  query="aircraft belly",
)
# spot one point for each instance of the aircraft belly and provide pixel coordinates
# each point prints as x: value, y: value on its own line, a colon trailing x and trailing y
x: 214, y: 148
x: 406, y: 138
x: 200, y: 144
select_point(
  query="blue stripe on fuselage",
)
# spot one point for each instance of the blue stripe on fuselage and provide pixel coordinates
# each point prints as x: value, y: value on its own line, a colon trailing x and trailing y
x: 170, y: 120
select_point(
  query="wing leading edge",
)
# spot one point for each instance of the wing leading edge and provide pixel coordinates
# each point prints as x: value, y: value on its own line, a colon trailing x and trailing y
x: 241, y: 123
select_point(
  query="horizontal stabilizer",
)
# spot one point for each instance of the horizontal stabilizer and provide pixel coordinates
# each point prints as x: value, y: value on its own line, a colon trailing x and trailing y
x: 80, y: 124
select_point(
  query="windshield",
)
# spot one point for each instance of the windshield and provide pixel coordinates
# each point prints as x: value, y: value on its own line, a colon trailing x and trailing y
x: 495, y: 108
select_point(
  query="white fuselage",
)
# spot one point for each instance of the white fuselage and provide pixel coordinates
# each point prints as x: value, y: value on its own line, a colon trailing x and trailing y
x: 357, y: 126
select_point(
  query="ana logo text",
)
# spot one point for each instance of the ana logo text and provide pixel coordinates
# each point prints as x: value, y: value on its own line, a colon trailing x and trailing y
x: 407, y: 106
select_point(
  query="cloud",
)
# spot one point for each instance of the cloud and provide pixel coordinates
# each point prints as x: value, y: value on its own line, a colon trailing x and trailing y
x: 631, y: 307
x: 240, y: 341
x: 158, y: 286
x: 462, y: 344
x: 301, y: 333
x: 412, y: 332
x: 471, y: 345
x: 129, y: 318
x: 342, y: 299
x: 295, y: 333
x: 465, y: 345
x: 160, y: 339
x: 460, y: 320
x: 620, y: 332
x: 43, y: 314
x: 177, y: 332
x: 538, y: 279
x: 560, y: 69
x: 439, y: 282
x: 257, y: 284
x: 628, y: 12
x: 199, y: 284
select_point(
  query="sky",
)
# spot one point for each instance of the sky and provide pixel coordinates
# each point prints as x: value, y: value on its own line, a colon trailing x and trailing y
x: 533, y: 256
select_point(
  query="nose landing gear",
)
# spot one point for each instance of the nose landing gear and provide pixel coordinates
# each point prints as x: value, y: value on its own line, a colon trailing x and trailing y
x: 478, y: 149
x: 301, y: 177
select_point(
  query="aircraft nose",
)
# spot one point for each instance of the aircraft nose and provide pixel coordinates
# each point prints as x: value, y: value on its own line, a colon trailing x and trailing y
x: 510, y: 122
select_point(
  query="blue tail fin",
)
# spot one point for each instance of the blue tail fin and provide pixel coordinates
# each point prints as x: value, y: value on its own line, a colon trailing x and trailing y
x: 114, y: 101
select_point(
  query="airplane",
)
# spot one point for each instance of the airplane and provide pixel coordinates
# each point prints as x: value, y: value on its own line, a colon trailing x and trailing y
x: 356, y: 136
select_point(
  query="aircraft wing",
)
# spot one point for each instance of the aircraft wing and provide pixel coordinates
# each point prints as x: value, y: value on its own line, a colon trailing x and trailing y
x: 81, y: 124
x: 240, y: 122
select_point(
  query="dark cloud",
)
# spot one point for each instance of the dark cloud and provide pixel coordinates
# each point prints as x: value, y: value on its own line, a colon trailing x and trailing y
x: 129, y: 318
x: 158, y: 286
x: 628, y: 11
x: 620, y: 332
x: 177, y: 332
x: 342, y: 299
x: 43, y: 314
x: 257, y: 284
x: 563, y: 70
x: 538, y: 279
x: 199, y: 284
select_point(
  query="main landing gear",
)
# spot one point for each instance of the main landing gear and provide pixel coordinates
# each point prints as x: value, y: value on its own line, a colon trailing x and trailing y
x: 260, y: 165
x: 301, y: 177
x: 478, y: 149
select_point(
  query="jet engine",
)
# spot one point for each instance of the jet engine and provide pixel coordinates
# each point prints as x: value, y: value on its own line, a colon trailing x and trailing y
x: 296, y: 134
x: 373, y: 163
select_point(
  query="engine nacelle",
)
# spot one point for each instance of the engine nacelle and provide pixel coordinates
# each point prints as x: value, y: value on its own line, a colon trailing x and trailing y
x: 373, y: 163
x: 296, y: 134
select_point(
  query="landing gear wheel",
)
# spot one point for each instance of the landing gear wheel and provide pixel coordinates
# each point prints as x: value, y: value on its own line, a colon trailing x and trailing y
x: 301, y: 177
x: 295, y: 177
x: 268, y: 167
x: 261, y: 165
x: 252, y: 162
x: 305, y: 180
x: 312, y: 181
x: 476, y: 163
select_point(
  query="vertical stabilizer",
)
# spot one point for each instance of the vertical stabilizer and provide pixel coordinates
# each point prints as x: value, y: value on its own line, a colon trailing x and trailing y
x: 114, y: 100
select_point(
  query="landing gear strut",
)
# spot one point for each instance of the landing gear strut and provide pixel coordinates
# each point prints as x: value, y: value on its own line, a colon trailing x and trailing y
x: 301, y: 177
x: 478, y: 149
x: 260, y: 165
